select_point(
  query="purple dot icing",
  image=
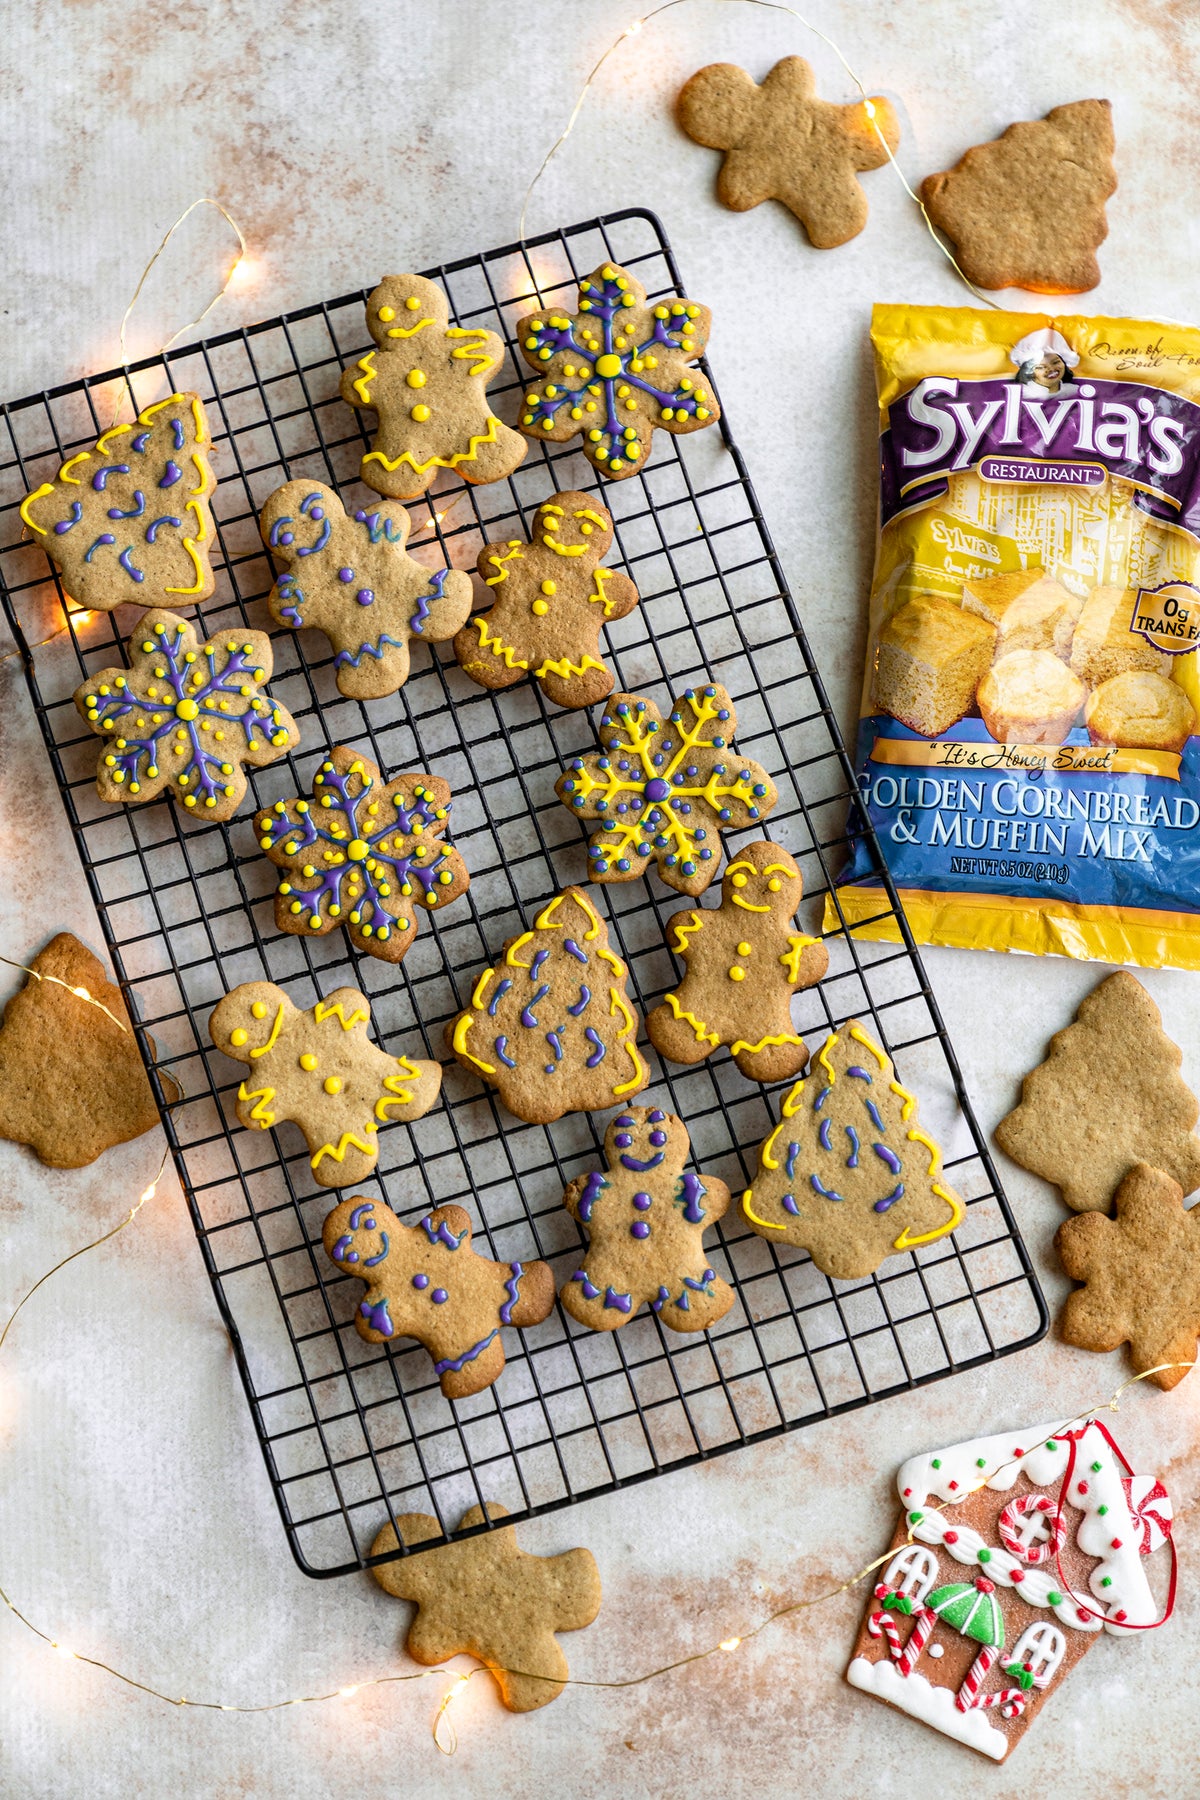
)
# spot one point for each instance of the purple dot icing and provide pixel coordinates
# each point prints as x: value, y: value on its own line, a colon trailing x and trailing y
x: 438, y: 1296
x: 286, y: 537
x: 420, y: 1281
x: 316, y: 513
x: 622, y: 1140
x: 658, y: 789
x: 364, y: 596
x: 345, y: 574
x: 658, y: 1137
x: 642, y: 1202
x: 639, y: 1229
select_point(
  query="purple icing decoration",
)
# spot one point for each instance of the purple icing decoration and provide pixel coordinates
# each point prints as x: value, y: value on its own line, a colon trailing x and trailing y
x: 828, y: 1193
x: 689, y: 1194
x: 437, y: 583
x: 617, y: 1301
x: 127, y: 565
x: 66, y: 524
x: 420, y: 1281
x: 640, y: 1164
x: 365, y: 596
x: 572, y: 949
x: 589, y: 1291
x: 378, y: 1318
x: 134, y: 512
x: 501, y: 1049
x: 139, y: 442
x: 887, y: 1156
x: 643, y: 1202
x: 342, y: 1251
x: 442, y: 1234
x: 459, y: 1362
x: 501, y: 989
x: 598, y: 1054
x: 100, y: 478
x: 789, y: 1167
x: 876, y: 1121
x: 528, y: 1016
x: 789, y: 1205
x: 106, y: 537
x: 823, y: 1137
x: 356, y: 1217
x: 370, y: 1261
x: 585, y: 995
x: 175, y: 473
x: 165, y: 519
x: 897, y: 1193
x: 859, y: 1074
x: 593, y: 1187
x: 658, y: 789
x: 512, y: 1288
x: 821, y: 1098
x: 852, y: 1159
x: 345, y: 574
x: 639, y: 1229
x: 177, y: 430
x: 439, y: 1296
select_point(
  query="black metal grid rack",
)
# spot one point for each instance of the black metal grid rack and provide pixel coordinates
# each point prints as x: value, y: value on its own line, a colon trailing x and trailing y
x: 353, y: 1434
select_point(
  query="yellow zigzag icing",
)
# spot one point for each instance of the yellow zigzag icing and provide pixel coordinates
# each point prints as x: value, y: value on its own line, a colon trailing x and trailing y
x: 505, y: 652
x: 325, y: 1009
x: 436, y: 462
x: 347, y: 1141
x: 259, y: 1118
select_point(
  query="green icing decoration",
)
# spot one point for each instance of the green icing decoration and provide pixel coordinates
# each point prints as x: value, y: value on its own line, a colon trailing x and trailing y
x: 1102, y: 1510
x: 1054, y: 1598
x: 976, y: 1615
x: 914, y: 1518
x: 937, y: 1462
x: 985, y: 1556
x: 1106, y: 1581
x: 1096, y: 1468
x: 981, y: 1462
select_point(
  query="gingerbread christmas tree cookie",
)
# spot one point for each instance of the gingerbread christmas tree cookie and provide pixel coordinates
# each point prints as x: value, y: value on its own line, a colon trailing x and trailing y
x: 427, y: 380
x: 128, y: 521
x: 616, y: 370
x: 666, y: 789
x: 782, y: 143
x: 847, y: 1174
x: 486, y: 1597
x: 645, y: 1216
x: 350, y: 576
x: 186, y: 715
x: 550, y: 1026
x: 744, y: 962
x: 72, y: 1082
x: 1141, y: 1272
x: 551, y: 599
x: 424, y: 1281
x: 319, y: 1068
x: 1027, y: 210
x: 1109, y: 1095
x: 363, y: 853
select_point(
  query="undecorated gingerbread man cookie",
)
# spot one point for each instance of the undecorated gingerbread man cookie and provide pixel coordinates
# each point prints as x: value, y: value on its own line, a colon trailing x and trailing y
x: 319, y: 1068
x: 350, y: 576
x: 744, y: 962
x: 645, y: 1216
x: 551, y: 598
x: 424, y: 1281
x: 486, y: 1597
x: 427, y: 380
x: 782, y: 143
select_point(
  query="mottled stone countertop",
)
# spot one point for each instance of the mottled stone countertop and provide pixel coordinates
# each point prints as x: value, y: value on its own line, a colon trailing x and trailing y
x: 137, y: 1523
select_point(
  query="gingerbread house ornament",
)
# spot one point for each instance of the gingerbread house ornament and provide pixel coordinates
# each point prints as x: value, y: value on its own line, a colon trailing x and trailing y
x: 1011, y: 1554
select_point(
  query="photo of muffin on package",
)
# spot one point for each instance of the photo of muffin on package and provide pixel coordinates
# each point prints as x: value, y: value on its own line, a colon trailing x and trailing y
x: 1028, y: 749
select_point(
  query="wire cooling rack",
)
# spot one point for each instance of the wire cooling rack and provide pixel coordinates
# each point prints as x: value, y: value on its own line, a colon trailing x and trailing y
x: 354, y: 1434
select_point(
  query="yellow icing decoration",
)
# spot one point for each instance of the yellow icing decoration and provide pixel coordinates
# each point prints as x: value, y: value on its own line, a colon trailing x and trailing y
x: 468, y: 351
x: 753, y: 1216
x: 434, y: 462
x: 498, y: 560
x: 957, y: 1214
x: 401, y: 331
x: 504, y: 651
x: 481, y: 987
x: 47, y: 487
x: 398, y: 1095
x: 238, y: 1038
x: 608, y: 366
x: 347, y: 1141
x: 325, y: 1010
x: 784, y: 1037
x: 362, y: 386
x: 332, y: 1085
x: 308, y: 1061
x: 276, y: 1028
x: 703, y: 1034
x: 260, y: 1118
x: 416, y: 378
x: 460, y: 1042
x: 564, y: 666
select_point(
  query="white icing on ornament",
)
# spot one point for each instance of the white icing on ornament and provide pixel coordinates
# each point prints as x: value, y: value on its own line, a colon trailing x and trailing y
x: 936, y: 1651
x: 1106, y: 1530
x: 1006, y: 1570
x: 933, y: 1705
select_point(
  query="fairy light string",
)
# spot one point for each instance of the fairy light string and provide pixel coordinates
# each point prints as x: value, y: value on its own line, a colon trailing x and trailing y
x: 637, y: 25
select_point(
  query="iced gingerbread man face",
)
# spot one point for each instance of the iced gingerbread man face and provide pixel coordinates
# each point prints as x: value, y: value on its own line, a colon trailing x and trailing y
x: 645, y: 1216
x: 427, y: 380
x: 744, y: 962
x: 349, y: 575
x: 551, y: 599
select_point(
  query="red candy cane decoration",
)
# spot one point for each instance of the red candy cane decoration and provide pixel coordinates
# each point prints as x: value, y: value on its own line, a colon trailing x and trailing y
x: 882, y: 1624
x: 923, y: 1624
x: 968, y: 1694
x: 1032, y: 1550
x: 1011, y: 1702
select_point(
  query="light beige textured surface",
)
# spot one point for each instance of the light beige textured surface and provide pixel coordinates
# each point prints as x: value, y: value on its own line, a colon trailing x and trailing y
x: 135, y: 1518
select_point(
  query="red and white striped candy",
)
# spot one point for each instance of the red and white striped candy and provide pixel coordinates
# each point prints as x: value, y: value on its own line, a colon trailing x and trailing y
x: 1150, y: 1510
x: 883, y: 1624
x: 968, y: 1694
x: 1032, y: 1550
x: 1011, y: 1702
x: 923, y: 1624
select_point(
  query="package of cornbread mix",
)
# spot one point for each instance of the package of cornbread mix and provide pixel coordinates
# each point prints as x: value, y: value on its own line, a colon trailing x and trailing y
x: 1028, y: 749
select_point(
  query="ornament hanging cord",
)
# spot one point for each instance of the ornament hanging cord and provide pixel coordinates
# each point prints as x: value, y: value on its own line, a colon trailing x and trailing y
x: 636, y: 25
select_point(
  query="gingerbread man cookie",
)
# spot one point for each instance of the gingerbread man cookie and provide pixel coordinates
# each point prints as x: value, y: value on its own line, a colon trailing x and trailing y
x: 1027, y: 210
x: 666, y: 788
x: 616, y: 370
x: 354, y: 580
x: 550, y: 1026
x: 186, y: 715
x: 319, y: 1068
x: 645, y: 1216
x: 362, y: 853
x: 847, y: 1174
x: 486, y: 1597
x: 128, y: 522
x: 551, y: 598
x: 782, y: 143
x: 744, y: 962
x: 429, y: 389
x: 424, y: 1281
x: 1141, y: 1276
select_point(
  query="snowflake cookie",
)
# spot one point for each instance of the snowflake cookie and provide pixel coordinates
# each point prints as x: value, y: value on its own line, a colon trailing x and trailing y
x: 550, y: 599
x: 186, y: 715
x: 429, y: 389
x: 645, y: 1216
x: 362, y: 853
x: 847, y: 1174
x: 615, y: 370
x: 425, y: 1281
x: 550, y: 1026
x: 350, y: 576
x: 749, y: 935
x: 321, y: 1070
x: 666, y: 789
x: 128, y: 521
x: 486, y: 1597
